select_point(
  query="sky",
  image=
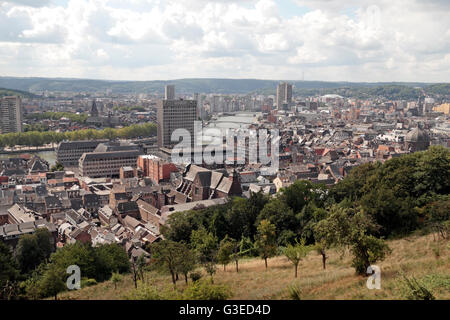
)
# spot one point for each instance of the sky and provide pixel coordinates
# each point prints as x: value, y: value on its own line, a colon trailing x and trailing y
x: 329, y: 40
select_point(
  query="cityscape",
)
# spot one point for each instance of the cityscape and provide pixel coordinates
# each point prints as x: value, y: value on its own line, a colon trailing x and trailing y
x: 217, y: 188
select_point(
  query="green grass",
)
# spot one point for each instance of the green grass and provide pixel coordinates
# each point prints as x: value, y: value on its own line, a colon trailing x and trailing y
x: 413, y: 256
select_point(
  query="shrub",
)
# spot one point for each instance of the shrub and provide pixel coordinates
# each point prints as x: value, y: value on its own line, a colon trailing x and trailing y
x: 295, y: 292
x: 195, y: 276
x: 412, y: 289
x: 206, y: 290
x: 87, y: 282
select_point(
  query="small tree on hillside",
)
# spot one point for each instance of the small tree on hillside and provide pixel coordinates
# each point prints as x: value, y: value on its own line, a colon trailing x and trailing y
x: 350, y: 227
x: 141, y: 263
x: 167, y: 255
x: 225, y: 251
x: 205, y: 245
x: 321, y: 248
x: 236, y: 253
x: 266, y: 240
x: 115, y: 279
x: 51, y: 282
x: 296, y: 252
x: 187, y: 261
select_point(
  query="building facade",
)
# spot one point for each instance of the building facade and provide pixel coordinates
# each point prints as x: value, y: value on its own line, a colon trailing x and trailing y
x: 284, y: 94
x: 10, y: 114
x: 155, y: 168
x: 106, y: 164
x: 172, y: 115
x: 68, y: 153
x: 169, y: 92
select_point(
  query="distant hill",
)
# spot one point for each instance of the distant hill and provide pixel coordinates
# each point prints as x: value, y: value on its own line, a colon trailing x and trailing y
x: 224, y: 86
x: 11, y: 92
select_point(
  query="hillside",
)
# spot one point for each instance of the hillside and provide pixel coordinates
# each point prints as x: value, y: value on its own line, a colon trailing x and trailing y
x: 11, y: 92
x: 415, y: 255
x: 189, y: 86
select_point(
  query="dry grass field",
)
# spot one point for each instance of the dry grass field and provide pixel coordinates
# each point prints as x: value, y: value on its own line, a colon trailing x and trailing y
x: 416, y: 256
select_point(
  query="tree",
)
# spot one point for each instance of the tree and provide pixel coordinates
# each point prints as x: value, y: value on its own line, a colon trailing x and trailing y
x: 187, y: 261
x: 166, y: 254
x: 300, y: 193
x: 135, y: 273
x: 351, y: 227
x: 116, y: 278
x: 57, y: 167
x: 140, y: 264
x: 321, y: 248
x: 52, y: 282
x: 33, y: 249
x: 279, y: 214
x: 110, y: 258
x: 28, y: 254
x: 225, y: 251
x: 205, y: 246
x: 8, y: 267
x: 79, y: 254
x: 296, y: 252
x: 266, y: 241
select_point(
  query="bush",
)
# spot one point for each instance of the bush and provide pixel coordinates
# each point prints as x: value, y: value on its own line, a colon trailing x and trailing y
x: 295, y: 292
x: 195, y: 276
x: 87, y: 282
x: 206, y: 290
x: 412, y: 289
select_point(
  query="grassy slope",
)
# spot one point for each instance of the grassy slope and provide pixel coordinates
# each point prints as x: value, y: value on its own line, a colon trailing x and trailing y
x: 414, y: 255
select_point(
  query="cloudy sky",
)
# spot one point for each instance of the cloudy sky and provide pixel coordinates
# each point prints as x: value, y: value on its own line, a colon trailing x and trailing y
x: 361, y: 40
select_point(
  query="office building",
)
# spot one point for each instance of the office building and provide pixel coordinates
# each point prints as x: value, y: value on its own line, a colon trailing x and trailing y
x: 172, y: 115
x: 69, y: 152
x: 10, y: 114
x: 169, y: 92
x: 284, y: 95
x: 107, y: 164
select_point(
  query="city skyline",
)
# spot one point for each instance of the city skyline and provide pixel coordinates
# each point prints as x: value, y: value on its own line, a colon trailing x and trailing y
x: 147, y: 40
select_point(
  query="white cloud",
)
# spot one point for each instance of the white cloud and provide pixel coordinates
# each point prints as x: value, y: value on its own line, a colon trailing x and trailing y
x: 156, y: 39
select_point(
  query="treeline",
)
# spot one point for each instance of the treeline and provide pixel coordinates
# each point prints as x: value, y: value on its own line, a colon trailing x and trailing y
x: 376, y: 201
x: 38, y: 138
x: 79, y: 118
x: 388, y: 91
x: 32, y: 271
x: 439, y: 88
